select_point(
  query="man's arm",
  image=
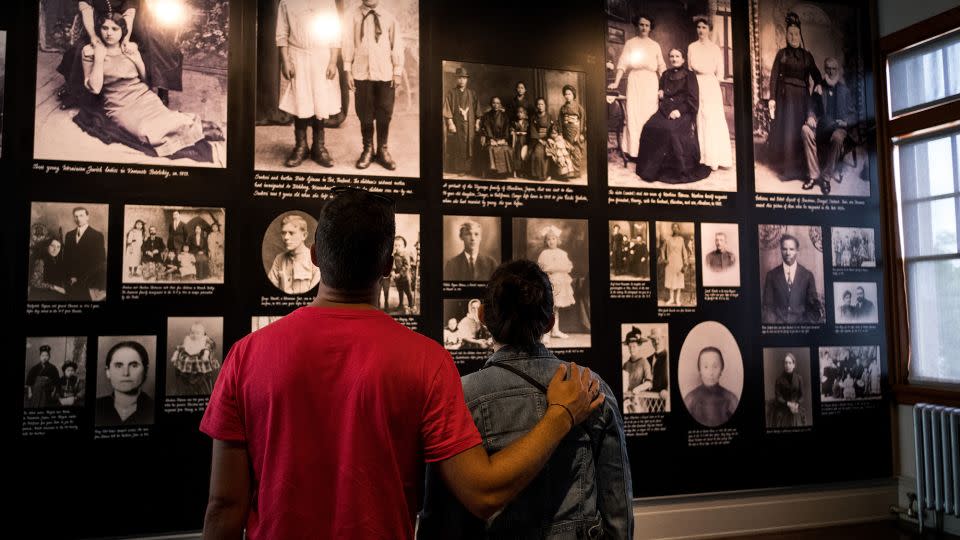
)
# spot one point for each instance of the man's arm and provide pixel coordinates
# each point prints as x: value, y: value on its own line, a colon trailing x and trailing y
x: 485, y: 484
x: 229, y: 499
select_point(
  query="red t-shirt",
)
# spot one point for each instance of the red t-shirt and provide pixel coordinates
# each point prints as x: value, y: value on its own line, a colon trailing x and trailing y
x: 339, y: 409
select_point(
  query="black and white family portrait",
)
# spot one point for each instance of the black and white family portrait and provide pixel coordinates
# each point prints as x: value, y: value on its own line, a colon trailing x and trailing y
x: 710, y: 374
x: 471, y: 247
x: 850, y: 373
x: 399, y: 293
x: 853, y: 247
x: 194, y: 355
x: 720, y: 246
x: 855, y: 303
x: 518, y: 124
x: 791, y: 274
x: 338, y: 84
x: 670, y: 95
x: 55, y: 372
x: 809, y: 108
x: 462, y: 328
x: 560, y: 247
x: 629, y: 250
x: 173, y: 244
x: 130, y: 81
x: 645, y: 359
x: 126, y: 381
x: 286, y: 253
x: 676, y: 264
x: 786, y: 388
x: 68, y: 252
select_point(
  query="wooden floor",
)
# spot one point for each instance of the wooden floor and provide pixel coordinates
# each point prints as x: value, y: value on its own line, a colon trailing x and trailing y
x: 867, y: 531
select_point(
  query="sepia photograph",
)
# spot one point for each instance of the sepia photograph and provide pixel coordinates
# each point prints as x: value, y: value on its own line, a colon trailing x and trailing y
x: 68, y: 252
x: 126, y: 381
x: 286, y: 253
x: 676, y: 264
x: 786, y: 388
x: 810, y: 124
x: 133, y: 82
x: 853, y: 247
x: 850, y: 373
x: 560, y: 247
x: 645, y: 361
x: 173, y: 244
x: 399, y: 293
x: 514, y: 124
x: 195, y: 354
x: 791, y: 274
x: 855, y: 303
x: 471, y: 247
x: 262, y: 321
x: 629, y: 250
x: 55, y: 372
x: 720, y: 246
x: 344, y: 77
x: 462, y: 328
x: 710, y: 374
x: 670, y: 95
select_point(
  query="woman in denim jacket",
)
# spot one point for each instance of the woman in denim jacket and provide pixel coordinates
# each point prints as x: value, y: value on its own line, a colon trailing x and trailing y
x: 584, y: 491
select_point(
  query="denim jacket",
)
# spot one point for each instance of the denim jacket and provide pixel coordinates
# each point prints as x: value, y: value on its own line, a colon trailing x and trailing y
x: 584, y: 491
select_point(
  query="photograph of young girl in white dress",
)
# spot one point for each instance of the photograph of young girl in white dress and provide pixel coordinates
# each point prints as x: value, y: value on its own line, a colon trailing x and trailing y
x: 560, y: 247
x: 670, y: 95
x: 135, y: 82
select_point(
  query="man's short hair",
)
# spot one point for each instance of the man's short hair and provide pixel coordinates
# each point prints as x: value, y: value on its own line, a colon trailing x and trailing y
x: 784, y: 238
x: 468, y: 226
x: 861, y: 290
x: 296, y: 220
x: 713, y: 350
x: 136, y: 347
x: 79, y: 208
x: 518, y: 305
x: 721, y: 233
x: 354, y: 240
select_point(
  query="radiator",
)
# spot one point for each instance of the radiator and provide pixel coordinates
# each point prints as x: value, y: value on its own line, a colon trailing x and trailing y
x: 937, y: 440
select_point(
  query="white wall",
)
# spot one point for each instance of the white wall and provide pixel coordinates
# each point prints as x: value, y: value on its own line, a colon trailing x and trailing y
x: 898, y: 14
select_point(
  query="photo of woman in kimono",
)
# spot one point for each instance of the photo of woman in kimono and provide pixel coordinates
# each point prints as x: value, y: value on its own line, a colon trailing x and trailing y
x: 497, y: 153
x: 669, y: 151
x: 794, y: 69
x: 573, y: 128
x: 541, y: 126
x: 642, y: 57
x: 706, y: 60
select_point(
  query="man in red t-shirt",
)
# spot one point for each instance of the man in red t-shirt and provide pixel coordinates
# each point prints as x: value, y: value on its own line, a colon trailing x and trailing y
x: 323, y: 420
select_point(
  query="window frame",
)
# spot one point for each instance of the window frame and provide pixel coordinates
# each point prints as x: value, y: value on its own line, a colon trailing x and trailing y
x: 913, y: 124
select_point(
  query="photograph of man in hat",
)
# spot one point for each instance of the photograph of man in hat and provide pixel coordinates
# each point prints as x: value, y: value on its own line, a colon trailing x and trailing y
x: 461, y: 121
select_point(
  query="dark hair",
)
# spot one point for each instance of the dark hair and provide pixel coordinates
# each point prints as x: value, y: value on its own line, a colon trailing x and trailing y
x: 79, y: 208
x: 792, y: 19
x: 66, y: 365
x: 570, y: 88
x: 116, y: 18
x: 846, y: 294
x: 354, y: 239
x: 495, y: 98
x: 713, y: 350
x: 636, y: 20
x: 133, y: 345
x: 701, y: 19
x: 518, y: 304
x: 398, y: 237
x: 786, y: 237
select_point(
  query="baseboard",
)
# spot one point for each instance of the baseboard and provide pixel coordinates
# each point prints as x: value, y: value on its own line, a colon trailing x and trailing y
x: 740, y: 514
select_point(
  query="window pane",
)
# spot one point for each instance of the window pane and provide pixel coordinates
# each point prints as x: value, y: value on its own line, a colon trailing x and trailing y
x: 925, y: 73
x: 934, y: 298
x: 930, y: 228
x: 926, y: 168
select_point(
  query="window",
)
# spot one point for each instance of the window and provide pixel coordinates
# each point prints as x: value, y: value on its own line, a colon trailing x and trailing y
x: 919, y: 145
x: 723, y: 36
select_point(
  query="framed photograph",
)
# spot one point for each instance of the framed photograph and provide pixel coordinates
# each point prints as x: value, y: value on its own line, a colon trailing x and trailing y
x: 615, y: 34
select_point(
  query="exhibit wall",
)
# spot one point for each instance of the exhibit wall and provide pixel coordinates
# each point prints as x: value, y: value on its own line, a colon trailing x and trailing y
x: 698, y: 180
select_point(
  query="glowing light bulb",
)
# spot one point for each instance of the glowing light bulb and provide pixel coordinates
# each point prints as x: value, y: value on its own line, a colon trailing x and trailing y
x: 168, y: 12
x: 325, y: 27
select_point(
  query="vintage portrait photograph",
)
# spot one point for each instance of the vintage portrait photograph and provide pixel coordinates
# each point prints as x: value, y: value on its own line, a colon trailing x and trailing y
x: 629, y: 250
x: 285, y: 253
x: 261, y: 321
x: 645, y: 357
x: 68, y: 252
x: 126, y: 381
x: 809, y: 104
x: 560, y: 247
x: 55, y: 372
x: 855, y: 303
x: 720, y: 248
x: 136, y: 82
x: 471, y: 247
x: 676, y: 264
x: 786, y: 388
x: 710, y: 374
x: 399, y: 292
x: 462, y: 328
x: 670, y: 95
x: 173, y: 244
x: 853, y: 247
x: 195, y: 354
x: 791, y: 274
x: 850, y: 373
x: 516, y: 124
x: 338, y: 87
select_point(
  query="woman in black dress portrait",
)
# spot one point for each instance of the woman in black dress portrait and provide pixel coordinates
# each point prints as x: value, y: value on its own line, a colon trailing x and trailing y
x: 48, y: 275
x: 788, y: 395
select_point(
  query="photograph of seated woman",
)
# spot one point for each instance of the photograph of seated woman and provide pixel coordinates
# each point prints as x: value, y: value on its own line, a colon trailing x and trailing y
x: 710, y: 403
x: 582, y: 483
x: 787, y: 388
x: 120, y: 91
x: 68, y: 252
x: 645, y: 369
x: 464, y: 331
